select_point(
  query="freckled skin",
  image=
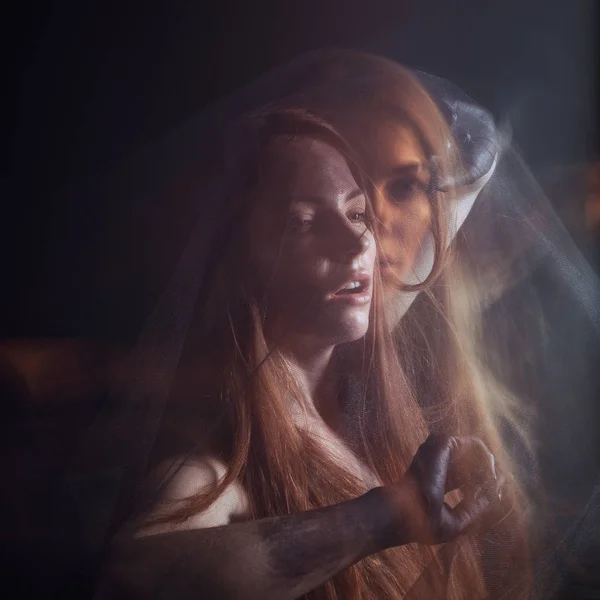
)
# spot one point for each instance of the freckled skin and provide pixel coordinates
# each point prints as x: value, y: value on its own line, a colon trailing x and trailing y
x: 300, y: 266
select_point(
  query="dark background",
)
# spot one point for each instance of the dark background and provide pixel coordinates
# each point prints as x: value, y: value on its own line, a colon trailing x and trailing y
x: 89, y: 83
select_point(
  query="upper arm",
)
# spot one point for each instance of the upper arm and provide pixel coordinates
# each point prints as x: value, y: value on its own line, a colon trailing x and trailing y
x: 192, y: 477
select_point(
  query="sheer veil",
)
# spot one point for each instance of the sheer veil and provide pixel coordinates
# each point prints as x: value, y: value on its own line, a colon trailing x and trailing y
x: 537, y: 305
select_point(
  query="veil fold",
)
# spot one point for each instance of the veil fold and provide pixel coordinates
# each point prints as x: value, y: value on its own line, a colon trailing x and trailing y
x: 540, y: 309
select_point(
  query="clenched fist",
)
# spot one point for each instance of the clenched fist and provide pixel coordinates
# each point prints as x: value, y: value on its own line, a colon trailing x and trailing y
x: 443, y: 464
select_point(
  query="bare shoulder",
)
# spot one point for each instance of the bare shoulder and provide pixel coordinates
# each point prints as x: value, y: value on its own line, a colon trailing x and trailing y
x: 184, y: 478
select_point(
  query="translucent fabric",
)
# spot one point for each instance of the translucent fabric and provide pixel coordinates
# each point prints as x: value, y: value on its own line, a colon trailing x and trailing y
x: 492, y: 278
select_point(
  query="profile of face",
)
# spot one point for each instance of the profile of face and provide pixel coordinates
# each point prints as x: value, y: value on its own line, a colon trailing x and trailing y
x: 312, y: 253
x: 399, y: 171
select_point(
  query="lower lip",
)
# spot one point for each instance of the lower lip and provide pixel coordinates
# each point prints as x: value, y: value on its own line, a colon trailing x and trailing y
x: 358, y: 299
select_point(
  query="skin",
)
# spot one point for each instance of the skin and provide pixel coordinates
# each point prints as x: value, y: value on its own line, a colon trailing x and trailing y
x: 285, y: 557
x: 305, y: 248
x: 398, y: 168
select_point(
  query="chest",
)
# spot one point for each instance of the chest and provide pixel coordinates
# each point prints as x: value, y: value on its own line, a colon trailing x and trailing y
x: 336, y: 448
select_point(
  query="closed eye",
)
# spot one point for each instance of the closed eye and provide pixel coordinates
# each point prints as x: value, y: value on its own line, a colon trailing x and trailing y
x: 300, y: 224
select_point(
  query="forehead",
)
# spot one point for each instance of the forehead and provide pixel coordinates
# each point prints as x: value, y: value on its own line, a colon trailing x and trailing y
x: 304, y: 167
x: 388, y: 145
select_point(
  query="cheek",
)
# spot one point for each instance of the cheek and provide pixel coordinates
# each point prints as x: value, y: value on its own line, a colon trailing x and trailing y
x: 290, y: 274
x: 275, y: 261
x: 410, y: 216
x: 370, y: 255
x: 302, y: 272
x: 403, y: 226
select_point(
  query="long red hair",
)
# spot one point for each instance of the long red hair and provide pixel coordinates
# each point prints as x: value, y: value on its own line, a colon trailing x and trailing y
x: 424, y: 376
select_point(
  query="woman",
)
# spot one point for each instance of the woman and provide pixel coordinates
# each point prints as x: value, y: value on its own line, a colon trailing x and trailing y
x: 315, y: 407
x: 423, y: 178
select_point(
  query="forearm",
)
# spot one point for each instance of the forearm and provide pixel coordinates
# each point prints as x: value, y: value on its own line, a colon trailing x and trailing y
x: 281, y: 557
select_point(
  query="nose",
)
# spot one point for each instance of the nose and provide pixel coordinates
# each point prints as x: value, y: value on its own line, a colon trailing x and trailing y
x: 352, y: 241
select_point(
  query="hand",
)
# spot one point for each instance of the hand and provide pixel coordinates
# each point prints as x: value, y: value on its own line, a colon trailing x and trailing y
x: 443, y: 464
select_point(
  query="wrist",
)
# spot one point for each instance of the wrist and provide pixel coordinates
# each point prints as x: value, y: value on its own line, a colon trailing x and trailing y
x: 388, y: 510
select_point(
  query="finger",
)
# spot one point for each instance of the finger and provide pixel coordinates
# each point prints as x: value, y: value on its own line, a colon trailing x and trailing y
x: 466, y: 516
x: 471, y: 464
x: 471, y: 493
x: 500, y: 483
x: 430, y: 465
x: 473, y: 450
x: 495, y: 496
x: 435, y: 452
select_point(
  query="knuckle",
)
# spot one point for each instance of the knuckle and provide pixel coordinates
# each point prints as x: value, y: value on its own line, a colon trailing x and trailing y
x: 436, y: 443
x: 432, y: 440
x: 446, y: 532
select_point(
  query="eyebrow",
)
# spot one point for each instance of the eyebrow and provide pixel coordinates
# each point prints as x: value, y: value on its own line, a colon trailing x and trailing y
x: 355, y: 193
x: 412, y: 168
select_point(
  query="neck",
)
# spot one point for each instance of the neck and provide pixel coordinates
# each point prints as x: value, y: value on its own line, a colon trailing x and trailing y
x: 313, y: 367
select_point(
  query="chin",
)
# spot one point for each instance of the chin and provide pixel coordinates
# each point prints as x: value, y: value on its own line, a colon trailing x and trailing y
x: 350, y: 329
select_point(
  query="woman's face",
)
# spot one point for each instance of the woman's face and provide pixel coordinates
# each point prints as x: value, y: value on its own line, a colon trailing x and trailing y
x: 312, y: 254
x: 398, y: 168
